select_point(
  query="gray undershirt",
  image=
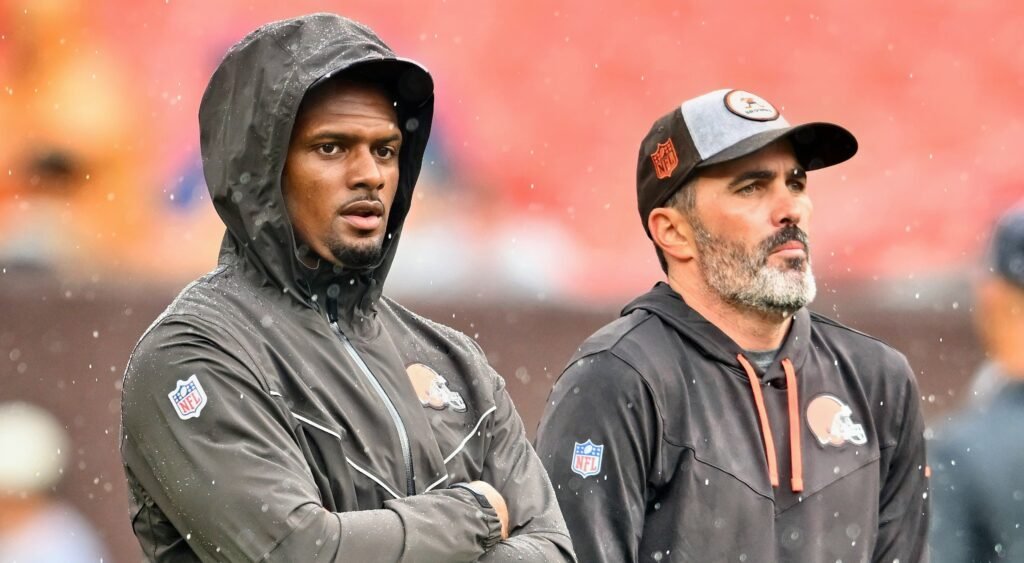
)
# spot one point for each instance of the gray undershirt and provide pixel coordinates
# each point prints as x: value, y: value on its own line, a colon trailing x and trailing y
x: 763, y: 359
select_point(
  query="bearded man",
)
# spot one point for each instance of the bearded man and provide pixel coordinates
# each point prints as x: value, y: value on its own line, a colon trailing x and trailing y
x: 718, y: 419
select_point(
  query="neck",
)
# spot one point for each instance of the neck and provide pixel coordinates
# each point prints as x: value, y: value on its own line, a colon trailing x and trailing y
x: 751, y: 329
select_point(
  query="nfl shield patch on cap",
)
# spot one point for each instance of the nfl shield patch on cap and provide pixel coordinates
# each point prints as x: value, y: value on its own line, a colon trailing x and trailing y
x: 188, y: 398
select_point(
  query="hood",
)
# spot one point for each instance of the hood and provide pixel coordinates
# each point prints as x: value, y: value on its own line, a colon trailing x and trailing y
x: 246, y: 118
x: 712, y: 343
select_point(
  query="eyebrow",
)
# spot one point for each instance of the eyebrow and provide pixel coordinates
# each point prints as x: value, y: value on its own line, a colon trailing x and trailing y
x: 348, y: 138
x: 796, y: 173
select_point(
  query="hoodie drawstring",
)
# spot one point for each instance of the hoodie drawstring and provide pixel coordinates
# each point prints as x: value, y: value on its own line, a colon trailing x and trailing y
x: 766, y: 429
x: 796, y: 455
x: 797, y: 480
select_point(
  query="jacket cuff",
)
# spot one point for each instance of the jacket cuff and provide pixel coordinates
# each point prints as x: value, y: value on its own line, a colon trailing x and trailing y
x: 445, y: 525
x: 491, y: 517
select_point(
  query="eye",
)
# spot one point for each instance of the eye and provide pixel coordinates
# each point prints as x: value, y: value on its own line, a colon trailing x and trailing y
x: 747, y: 190
x: 797, y: 185
x: 328, y: 149
x: 386, y: 152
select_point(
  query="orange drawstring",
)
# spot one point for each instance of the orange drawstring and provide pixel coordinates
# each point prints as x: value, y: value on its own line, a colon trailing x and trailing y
x: 794, y: 427
x: 766, y: 429
x: 792, y: 394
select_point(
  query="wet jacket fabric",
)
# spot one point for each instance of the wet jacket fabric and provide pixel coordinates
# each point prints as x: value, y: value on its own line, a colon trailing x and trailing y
x: 276, y: 412
x: 977, y: 483
x: 654, y: 443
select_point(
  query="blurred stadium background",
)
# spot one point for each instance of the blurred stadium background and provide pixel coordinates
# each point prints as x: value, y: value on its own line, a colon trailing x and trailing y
x: 524, y: 233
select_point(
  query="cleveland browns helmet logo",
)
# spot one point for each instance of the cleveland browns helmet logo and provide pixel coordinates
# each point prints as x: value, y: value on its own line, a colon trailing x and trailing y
x: 750, y: 106
x: 831, y: 422
x: 432, y: 389
x: 665, y: 159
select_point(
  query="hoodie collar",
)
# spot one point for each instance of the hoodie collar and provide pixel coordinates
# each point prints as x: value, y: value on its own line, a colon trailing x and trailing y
x: 714, y: 344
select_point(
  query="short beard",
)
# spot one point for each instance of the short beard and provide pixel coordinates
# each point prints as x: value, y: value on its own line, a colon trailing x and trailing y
x: 743, y: 277
x: 358, y: 256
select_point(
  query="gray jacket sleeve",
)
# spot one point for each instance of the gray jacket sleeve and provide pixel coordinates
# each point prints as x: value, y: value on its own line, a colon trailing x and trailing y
x: 231, y: 483
x: 602, y: 399
x: 903, y: 508
x: 537, y: 531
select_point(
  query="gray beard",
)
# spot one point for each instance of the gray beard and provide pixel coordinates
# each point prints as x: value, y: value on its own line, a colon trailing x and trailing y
x: 743, y: 277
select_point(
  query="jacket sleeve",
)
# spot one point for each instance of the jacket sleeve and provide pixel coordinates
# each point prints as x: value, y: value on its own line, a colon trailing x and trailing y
x: 903, y: 499
x: 603, y: 400
x: 537, y: 530
x: 232, y: 480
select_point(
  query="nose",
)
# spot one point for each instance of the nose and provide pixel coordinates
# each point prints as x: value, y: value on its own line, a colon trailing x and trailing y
x: 364, y: 171
x: 790, y: 207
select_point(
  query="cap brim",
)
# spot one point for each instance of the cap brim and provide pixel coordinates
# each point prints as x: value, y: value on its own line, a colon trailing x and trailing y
x: 406, y: 80
x: 817, y: 145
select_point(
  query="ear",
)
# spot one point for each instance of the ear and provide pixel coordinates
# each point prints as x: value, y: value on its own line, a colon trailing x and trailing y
x: 671, y: 231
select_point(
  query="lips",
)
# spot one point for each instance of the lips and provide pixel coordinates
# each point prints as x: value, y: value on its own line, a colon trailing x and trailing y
x: 790, y: 246
x: 364, y: 215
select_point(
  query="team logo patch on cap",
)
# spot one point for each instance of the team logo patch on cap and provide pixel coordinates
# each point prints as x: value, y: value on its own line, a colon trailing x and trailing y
x: 831, y: 422
x: 665, y: 160
x: 586, y: 458
x: 188, y: 398
x: 432, y: 389
x: 750, y: 106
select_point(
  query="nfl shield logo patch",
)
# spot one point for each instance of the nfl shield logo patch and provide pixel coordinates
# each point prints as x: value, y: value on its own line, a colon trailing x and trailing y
x: 665, y: 159
x: 188, y: 398
x: 586, y: 458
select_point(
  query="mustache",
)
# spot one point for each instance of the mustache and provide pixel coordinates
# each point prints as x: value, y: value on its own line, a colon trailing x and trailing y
x: 364, y: 203
x: 784, y: 235
x: 368, y: 198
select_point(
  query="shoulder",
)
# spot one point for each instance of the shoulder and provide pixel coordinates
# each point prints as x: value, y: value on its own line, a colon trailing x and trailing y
x: 853, y: 340
x: 198, y: 330
x: 984, y: 428
x: 617, y: 358
x: 872, y: 354
x: 628, y: 338
x: 421, y: 327
x: 199, y: 310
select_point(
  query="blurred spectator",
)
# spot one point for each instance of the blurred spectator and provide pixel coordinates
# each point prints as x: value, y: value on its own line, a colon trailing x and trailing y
x: 72, y: 152
x: 977, y: 456
x: 35, y: 527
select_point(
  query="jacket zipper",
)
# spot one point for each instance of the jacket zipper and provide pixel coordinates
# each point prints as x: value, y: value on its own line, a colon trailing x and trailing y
x: 403, y: 435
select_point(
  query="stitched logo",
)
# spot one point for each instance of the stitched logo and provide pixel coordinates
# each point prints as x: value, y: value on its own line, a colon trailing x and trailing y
x: 750, y: 106
x: 432, y: 389
x: 188, y: 398
x: 586, y: 458
x: 831, y: 422
x: 665, y: 159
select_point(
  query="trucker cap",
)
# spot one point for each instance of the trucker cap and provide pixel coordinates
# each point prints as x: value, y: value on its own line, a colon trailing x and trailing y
x: 721, y: 126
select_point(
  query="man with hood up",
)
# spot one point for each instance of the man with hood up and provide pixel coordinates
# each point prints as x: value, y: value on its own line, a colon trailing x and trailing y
x: 717, y: 419
x: 281, y: 408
